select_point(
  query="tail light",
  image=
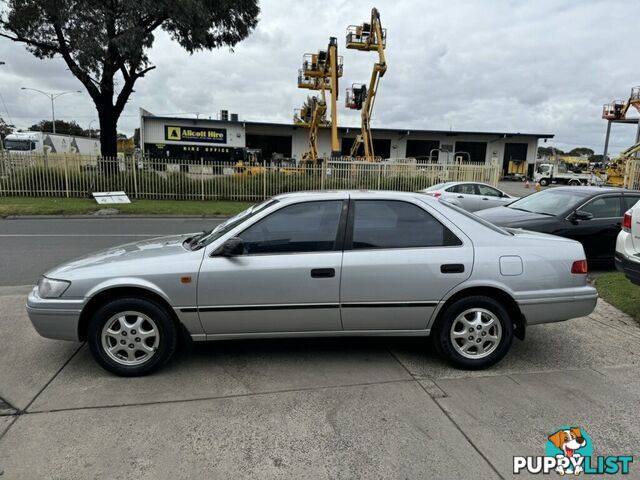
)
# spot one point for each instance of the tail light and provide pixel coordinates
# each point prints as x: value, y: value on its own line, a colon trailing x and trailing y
x: 580, y: 267
x: 626, y: 221
x: 436, y: 194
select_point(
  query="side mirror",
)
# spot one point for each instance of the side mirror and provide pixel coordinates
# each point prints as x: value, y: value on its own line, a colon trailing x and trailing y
x: 231, y: 248
x: 581, y: 215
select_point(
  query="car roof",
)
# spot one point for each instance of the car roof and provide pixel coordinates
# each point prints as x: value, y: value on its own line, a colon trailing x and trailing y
x: 331, y: 194
x: 592, y: 190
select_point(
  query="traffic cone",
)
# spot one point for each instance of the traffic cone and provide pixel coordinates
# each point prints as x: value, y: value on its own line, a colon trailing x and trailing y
x: 526, y: 184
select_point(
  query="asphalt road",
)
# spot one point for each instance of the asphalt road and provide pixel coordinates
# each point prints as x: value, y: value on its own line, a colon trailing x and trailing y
x: 30, y: 247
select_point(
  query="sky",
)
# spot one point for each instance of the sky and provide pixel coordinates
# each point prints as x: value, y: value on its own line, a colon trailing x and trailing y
x: 543, y: 66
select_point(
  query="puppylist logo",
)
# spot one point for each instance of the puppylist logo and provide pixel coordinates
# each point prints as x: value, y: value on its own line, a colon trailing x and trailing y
x: 569, y: 451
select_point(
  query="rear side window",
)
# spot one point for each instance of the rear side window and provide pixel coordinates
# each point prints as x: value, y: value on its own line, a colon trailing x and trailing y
x: 603, y: 207
x: 397, y: 224
x: 630, y: 201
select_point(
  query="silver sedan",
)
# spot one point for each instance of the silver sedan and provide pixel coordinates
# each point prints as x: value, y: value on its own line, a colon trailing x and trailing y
x: 471, y: 196
x: 318, y: 264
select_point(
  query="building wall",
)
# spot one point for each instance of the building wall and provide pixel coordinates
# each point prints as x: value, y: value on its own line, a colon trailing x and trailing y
x: 153, y: 132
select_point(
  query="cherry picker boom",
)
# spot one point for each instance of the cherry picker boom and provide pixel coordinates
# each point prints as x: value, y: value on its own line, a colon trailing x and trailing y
x: 366, y: 37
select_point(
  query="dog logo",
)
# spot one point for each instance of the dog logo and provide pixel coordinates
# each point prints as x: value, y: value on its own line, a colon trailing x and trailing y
x: 569, y: 451
x: 571, y: 443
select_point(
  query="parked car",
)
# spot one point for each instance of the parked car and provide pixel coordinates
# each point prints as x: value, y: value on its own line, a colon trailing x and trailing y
x: 318, y: 264
x: 590, y: 215
x: 470, y: 195
x: 627, y: 256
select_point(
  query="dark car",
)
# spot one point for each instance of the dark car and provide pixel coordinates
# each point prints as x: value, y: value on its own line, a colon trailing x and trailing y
x: 591, y: 215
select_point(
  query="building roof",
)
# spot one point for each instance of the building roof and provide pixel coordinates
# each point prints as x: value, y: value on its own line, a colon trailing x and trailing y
x: 401, y: 131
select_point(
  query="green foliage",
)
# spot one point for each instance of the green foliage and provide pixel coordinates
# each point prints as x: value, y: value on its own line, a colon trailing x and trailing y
x: 5, y: 128
x: 62, y: 127
x: 576, y: 152
x: 549, y: 151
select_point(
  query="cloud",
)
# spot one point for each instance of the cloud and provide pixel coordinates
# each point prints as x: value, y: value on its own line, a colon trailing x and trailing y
x: 545, y: 67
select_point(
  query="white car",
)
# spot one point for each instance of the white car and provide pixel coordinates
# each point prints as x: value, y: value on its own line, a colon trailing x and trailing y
x: 471, y: 196
x: 627, y: 256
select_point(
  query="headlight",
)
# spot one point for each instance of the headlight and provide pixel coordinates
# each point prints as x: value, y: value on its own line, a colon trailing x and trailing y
x: 50, y: 288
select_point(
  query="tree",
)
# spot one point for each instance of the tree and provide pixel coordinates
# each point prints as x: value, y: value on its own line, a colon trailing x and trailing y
x: 581, y: 151
x: 62, y: 127
x: 549, y: 151
x: 5, y: 128
x: 105, y: 42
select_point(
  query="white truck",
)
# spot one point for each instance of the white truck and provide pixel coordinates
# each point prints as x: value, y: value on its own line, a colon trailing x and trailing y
x: 24, y: 143
x: 548, y: 173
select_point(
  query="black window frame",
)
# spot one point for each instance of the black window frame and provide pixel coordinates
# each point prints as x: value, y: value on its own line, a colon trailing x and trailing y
x: 455, y: 240
x: 338, y: 244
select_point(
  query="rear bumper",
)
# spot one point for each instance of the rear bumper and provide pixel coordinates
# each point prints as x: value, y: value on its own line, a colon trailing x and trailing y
x: 629, y: 266
x: 54, y: 318
x: 559, y: 306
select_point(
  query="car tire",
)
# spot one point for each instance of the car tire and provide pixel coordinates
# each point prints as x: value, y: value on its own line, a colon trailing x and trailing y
x: 131, y: 337
x: 574, y: 183
x: 486, y: 339
x: 544, y: 182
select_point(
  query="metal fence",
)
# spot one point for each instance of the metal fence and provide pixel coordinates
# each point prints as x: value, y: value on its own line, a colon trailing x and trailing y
x: 78, y: 176
x: 632, y: 174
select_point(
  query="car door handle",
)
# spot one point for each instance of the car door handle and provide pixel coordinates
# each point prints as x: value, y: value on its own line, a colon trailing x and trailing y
x: 460, y: 196
x: 452, y: 268
x: 323, y: 273
x: 485, y: 198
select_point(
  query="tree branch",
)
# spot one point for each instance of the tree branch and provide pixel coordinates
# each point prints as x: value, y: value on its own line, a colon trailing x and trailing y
x: 33, y: 43
x: 127, y: 89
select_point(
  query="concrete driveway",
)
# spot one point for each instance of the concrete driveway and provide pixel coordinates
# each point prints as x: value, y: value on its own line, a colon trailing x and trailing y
x: 322, y: 408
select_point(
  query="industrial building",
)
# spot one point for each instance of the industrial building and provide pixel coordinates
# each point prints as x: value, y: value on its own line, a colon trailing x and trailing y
x: 225, y: 140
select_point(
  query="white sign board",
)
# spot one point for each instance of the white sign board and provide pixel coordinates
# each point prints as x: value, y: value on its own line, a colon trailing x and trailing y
x: 111, y: 197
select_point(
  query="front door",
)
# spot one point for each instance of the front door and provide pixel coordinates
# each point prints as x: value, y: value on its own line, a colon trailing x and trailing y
x: 399, y: 262
x: 598, y: 235
x: 287, y: 280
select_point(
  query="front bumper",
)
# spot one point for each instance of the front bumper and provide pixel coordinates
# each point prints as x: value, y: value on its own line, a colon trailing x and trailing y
x: 556, y: 306
x: 54, y: 317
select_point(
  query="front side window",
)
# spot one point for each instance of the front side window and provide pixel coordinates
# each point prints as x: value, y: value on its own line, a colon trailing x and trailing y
x: 463, y: 188
x: 604, y: 207
x: 397, y: 224
x: 488, y: 191
x: 303, y: 227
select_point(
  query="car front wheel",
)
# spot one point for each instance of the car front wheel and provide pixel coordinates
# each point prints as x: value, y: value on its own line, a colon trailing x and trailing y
x: 474, y: 333
x: 131, y: 336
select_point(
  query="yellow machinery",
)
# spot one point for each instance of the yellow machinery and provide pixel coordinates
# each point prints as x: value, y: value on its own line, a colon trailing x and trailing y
x: 366, y: 37
x: 320, y: 71
x: 617, y: 110
x: 615, y: 170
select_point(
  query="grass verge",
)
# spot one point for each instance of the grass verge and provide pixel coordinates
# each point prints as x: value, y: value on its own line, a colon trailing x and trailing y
x: 79, y: 206
x: 616, y: 289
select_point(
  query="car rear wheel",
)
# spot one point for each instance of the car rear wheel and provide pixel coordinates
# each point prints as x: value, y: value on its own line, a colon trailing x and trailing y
x: 574, y: 183
x: 131, y: 336
x: 474, y: 333
x: 544, y: 182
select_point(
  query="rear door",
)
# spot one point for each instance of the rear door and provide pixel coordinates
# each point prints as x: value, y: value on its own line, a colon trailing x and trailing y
x: 465, y: 195
x: 399, y: 261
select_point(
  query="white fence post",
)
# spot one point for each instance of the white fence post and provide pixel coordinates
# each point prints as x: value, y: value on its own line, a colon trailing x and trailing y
x: 202, y: 177
x: 135, y: 179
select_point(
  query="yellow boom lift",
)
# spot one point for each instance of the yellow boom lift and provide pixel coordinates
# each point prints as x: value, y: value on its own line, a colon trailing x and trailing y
x: 320, y: 71
x: 366, y: 37
x: 617, y: 110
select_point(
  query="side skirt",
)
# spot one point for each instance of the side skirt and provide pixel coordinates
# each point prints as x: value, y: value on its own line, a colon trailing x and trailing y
x: 338, y: 333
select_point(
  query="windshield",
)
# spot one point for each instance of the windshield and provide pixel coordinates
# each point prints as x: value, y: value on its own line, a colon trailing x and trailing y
x: 549, y: 202
x: 24, y: 145
x: 543, y: 168
x: 209, y: 236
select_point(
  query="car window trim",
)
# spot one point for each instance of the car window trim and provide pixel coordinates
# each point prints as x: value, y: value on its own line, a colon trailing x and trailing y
x: 337, y: 244
x: 597, y: 197
x: 348, y: 244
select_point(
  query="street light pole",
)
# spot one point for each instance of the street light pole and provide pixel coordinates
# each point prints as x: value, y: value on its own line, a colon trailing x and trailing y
x: 52, y: 97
